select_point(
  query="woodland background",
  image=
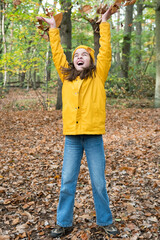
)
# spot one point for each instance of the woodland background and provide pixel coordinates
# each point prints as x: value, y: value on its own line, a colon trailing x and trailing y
x: 26, y: 60
x: 31, y: 140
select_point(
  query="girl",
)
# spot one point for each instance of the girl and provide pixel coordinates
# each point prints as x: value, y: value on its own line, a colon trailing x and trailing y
x: 84, y: 99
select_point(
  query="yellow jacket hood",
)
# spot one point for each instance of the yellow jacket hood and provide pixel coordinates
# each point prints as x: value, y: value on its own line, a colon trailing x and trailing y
x: 88, y: 49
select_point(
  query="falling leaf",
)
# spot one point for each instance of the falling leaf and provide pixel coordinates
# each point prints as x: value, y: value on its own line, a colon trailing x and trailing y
x: 102, y: 9
x: 130, y: 2
x: 118, y: 3
x: 85, y: 9
x: 58, y: 18
x: 16, y: 2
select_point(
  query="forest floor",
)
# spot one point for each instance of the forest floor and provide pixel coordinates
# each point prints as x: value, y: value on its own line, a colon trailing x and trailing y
x: 31, y: 155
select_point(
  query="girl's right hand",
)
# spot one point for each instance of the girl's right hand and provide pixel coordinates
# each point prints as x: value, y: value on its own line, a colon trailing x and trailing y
x: 50, y: 21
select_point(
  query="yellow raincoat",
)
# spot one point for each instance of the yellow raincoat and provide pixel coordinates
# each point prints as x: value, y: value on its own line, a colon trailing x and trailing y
x: 84, y: 100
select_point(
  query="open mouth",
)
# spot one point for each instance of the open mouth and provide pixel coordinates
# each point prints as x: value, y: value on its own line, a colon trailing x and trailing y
x: 80, y: 63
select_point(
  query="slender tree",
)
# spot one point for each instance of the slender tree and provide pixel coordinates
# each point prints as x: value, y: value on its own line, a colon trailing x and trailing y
x: 65, y: 32
x: 157, y: 88
x: 118, y: 45
x: 4, y: 6
x: 127, y: 42
x: 139, y: 33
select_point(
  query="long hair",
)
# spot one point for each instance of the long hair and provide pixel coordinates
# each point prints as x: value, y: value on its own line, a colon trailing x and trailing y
x: 71, y: 73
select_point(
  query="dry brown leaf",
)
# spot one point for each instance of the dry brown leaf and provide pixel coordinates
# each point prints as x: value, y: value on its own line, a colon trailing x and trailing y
x: 58, y: 18
x: 153, y: 219
x: 130, y: 2
x: 86, y: 216
x: 16, y: 2
x: 130, y: 208
x: 4, y: 237
x: 84, y: 236
x: 78, y: 205
x: 25, y: 213
x: 118, y: 3
x: 129, y: 170
x: 102, y: 9
x: 22, y: 228
x: 2, y: 189
x: 15, y: 221
x: 28, y: 177
x: 85, y: 9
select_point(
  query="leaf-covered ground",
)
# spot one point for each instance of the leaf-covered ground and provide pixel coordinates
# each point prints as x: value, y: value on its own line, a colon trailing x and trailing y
x: 31, y: 154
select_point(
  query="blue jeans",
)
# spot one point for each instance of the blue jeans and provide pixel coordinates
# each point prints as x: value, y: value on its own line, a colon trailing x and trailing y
x: 73, y: 152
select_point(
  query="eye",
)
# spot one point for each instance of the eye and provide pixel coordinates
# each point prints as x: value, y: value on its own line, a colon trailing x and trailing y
x: 85, y: 54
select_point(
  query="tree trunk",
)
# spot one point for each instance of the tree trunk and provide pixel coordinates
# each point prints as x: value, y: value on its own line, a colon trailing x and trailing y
x: 49, y: 64
x: 157, y: 88
x: 139, y: 33
x: 65, y: 31
x: 118, y: 47
x: 4, y: 44
x: 22, y: 79
x: 127, y: 42
x: 1, y: 39
x: 95, y: 27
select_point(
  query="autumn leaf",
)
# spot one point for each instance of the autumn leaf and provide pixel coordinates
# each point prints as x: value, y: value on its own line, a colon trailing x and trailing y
x: 4, y: 237
x: 31, y: 161
x: 16, y: 3
x: 2, y: 189
x: 85, y: 9
x: 129, y: 2
x: 58, y: 18
x: 118, y: 3
x: 102, y: 9
x: 15, y: 221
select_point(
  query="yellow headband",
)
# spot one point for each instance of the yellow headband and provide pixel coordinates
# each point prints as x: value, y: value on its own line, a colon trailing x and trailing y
x: 88, y: 49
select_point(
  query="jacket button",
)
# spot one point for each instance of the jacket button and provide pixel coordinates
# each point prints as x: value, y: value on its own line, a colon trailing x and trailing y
x: 77, y: 122
x: 78, y: 107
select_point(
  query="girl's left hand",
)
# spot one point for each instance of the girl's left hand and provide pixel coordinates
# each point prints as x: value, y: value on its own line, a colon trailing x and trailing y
x: 107, y: 14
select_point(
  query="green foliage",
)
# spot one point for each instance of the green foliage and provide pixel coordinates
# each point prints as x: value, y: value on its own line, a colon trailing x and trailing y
x: 26, y: 49
x: 115, y: 86
x: 79, y: 35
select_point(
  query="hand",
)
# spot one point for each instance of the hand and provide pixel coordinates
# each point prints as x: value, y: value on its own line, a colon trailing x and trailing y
x: 50, y: 21
x: 107, y: 14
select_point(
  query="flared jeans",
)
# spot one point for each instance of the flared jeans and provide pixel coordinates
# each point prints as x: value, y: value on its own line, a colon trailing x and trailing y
x: 73, y: 152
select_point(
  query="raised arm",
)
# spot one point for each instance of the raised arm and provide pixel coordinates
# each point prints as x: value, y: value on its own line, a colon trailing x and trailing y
x: 104, y: 57
x: 59, y: 58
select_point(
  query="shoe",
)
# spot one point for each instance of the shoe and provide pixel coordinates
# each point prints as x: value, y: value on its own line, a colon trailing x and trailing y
x: 59, y: 231
x: 111, y: 229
